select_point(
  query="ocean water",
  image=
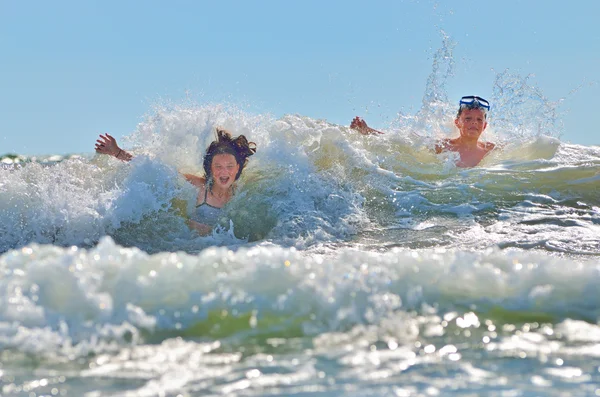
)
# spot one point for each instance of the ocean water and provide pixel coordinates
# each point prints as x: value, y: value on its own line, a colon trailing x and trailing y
x: 346, y: 266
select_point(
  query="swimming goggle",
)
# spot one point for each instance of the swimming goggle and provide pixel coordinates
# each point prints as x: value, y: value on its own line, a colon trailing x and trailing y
x: 472, y: 100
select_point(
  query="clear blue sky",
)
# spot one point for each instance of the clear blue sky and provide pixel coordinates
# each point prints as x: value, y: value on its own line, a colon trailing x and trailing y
x: 72, y: 69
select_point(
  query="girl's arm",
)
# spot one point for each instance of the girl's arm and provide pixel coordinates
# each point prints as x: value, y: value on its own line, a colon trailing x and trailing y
x: 201, y: 228
x: 108, y: 145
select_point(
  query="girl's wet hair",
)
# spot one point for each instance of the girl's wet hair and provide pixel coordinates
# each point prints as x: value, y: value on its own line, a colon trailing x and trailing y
x: 239, y: 147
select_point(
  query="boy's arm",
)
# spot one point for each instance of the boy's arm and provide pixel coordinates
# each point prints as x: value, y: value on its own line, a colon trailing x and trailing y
x: 361, y: 126
x: 442, y: 145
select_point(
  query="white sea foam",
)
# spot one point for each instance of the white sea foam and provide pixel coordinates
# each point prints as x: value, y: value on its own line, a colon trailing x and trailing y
x: 69, y: 299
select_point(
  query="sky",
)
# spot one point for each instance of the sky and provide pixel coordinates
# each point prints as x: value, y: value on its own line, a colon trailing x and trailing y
x: 72, y: 69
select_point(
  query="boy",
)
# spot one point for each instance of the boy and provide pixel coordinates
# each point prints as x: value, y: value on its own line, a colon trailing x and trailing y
x: 470, y: 121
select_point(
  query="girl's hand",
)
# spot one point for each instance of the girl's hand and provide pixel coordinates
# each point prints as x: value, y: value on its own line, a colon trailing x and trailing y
x: 107, y: 145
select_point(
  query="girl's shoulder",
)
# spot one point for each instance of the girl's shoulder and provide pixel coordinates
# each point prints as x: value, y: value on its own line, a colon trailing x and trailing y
x: 195, y: 180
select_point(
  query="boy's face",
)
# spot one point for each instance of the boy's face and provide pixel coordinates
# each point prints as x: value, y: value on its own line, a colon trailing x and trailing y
x: 471, y: 123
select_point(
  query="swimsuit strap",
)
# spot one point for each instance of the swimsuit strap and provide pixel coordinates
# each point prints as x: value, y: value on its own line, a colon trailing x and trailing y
x: 205, y: 196
x: 204, y: 202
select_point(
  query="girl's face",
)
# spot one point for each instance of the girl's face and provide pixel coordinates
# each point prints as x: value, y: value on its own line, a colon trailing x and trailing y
x: 224, y: 168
